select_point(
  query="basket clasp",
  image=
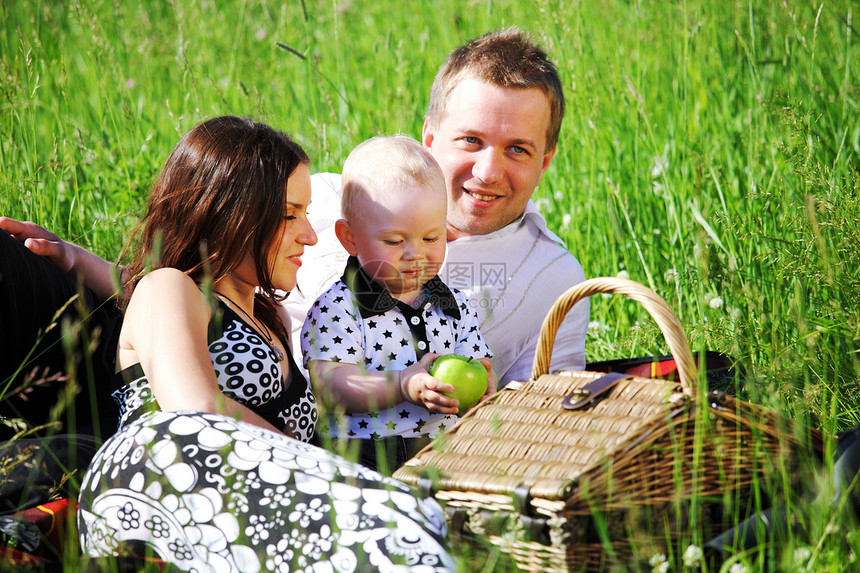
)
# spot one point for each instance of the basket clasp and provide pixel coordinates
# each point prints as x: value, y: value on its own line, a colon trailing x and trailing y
x: 581, y: 397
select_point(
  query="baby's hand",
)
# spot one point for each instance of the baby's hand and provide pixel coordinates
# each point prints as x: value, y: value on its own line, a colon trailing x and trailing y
x: 492, y: 380
x: 421, y: 389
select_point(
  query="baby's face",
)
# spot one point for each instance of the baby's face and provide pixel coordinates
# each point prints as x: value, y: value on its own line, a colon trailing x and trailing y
x: 400, y: 238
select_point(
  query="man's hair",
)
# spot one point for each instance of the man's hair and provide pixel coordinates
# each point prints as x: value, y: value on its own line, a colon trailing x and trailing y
x: 505, y: 58
x: 383, y: 163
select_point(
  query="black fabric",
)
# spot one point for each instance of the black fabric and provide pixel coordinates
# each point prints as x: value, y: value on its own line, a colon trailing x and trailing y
x: 79, y: 350
x: 382, y: 454
x: 36, y: 470
x: 373, y: 300
x: 777, y: 525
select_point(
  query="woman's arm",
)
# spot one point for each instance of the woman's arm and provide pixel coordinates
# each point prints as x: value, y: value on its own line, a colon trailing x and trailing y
x: 165, y: 329
x: 357, y: 390
x: 97, y: 273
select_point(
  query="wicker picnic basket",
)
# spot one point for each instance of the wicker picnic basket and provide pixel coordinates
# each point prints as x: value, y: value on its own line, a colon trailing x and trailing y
x: 617, y: 478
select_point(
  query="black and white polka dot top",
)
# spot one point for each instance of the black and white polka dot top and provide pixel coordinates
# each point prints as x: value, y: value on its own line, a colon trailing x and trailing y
x: 247, y: 370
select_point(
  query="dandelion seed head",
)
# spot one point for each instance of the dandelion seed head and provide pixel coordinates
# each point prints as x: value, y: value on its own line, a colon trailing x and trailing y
x: 738, y: 568
x: 622, y: 274
x: 716, y: 302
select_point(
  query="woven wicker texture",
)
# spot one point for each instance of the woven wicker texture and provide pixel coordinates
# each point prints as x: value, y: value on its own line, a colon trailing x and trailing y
x: 531, y: 476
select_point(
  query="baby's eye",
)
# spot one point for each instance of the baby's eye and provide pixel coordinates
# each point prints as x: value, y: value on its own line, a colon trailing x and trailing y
x: 391, y: 242
x: 431, y: 239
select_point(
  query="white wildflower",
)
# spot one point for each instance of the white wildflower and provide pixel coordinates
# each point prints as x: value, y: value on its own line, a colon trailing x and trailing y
x: 738, y: 568
x: 716, y: 302
x: 658, y: 563
x: 671, y: 276
x: 622, y: 274
x: 660, y: 165
x: 565, y: 220
x: 802, y: 555
x: 558, y: 195
x: 692, y: 556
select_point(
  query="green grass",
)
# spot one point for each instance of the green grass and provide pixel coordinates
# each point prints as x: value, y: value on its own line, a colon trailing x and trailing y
x: 709, y: 150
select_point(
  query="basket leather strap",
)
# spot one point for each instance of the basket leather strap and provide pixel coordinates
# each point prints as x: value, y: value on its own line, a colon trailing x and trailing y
x: 581, y: 397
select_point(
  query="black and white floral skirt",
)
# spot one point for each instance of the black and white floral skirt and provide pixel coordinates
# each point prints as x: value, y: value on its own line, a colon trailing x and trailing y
x: 207, y: 493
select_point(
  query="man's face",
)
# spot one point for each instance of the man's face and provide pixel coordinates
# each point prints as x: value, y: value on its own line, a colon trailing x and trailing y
x: 491, y: 145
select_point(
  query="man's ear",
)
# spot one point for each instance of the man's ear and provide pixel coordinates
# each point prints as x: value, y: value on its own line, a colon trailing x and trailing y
x: 427, y: 133
x: 546, y: 161
x: 345, y: 236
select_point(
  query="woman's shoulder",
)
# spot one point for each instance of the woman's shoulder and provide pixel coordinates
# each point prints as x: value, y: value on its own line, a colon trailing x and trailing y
x: 167, y: 287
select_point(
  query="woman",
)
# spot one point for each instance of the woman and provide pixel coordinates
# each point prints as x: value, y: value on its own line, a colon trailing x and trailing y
x: 211, y: 469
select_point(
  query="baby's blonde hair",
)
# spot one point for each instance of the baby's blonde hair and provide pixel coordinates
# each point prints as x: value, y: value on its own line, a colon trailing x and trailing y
x: 382, y: 163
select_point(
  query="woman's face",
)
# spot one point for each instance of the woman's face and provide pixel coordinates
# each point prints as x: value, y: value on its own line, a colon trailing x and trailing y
x: 295, y: 232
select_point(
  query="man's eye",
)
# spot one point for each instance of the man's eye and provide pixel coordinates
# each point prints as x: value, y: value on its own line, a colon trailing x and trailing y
x: 518, y: 150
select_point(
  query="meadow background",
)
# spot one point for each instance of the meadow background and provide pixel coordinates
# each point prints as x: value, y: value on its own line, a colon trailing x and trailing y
x: 709, y: 149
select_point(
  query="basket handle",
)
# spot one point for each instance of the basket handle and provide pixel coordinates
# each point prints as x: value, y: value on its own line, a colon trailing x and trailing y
x: 656, y: 307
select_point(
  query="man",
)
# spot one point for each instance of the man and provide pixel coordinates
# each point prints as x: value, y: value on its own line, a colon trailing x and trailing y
x: 493, y: 122
x: 495, y: 113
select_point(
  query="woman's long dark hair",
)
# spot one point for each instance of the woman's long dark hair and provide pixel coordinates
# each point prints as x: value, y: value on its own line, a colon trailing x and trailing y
x: 221, y: 194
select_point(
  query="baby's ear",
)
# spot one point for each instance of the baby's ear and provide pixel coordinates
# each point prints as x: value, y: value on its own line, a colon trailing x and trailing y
x: 345, y: 236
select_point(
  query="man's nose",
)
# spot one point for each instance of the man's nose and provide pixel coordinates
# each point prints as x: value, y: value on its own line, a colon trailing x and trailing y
x: 489, y: 165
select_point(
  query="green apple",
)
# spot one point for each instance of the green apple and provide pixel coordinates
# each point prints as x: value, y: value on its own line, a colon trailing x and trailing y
x: 467, y: 375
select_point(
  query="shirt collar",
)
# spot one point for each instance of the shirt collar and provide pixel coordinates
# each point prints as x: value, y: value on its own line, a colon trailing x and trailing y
x: 374, y: 300
x: 534, y: 216
x: 531, y: 216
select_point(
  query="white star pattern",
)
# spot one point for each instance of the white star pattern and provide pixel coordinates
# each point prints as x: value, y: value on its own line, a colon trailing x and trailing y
x: 385, y: 343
